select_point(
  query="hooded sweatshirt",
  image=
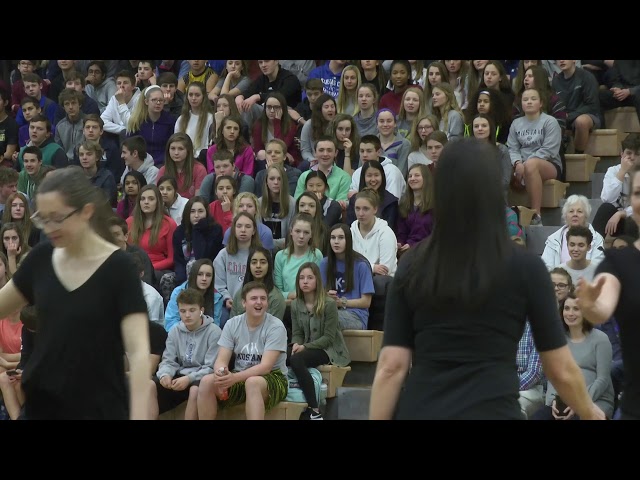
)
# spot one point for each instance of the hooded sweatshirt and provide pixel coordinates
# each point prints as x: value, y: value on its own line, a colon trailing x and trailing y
x: 190, y: 353
x: 379, y: 246
x: 147, y: 169
x: 116, y: 116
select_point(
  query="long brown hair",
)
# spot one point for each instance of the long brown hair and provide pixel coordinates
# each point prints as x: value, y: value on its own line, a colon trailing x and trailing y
x: 25, y: 224
x: 351, y: 257
x: 170, y: 168
x: 321, y: 294
x: 319, y: 227
x: 266, y: 204
x: 137, y: 225
x: 232, y: 244
x: 426, y: 194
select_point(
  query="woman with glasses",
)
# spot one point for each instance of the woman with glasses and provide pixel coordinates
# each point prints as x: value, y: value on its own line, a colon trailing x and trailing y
x: 150, y: 121
x: 91, y: 310
x: 424, y: 126
x: 562, y: 283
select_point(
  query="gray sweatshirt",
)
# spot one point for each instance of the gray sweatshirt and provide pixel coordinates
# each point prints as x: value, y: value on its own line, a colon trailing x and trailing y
x: 190, y: 353
x: 539, y: 138
x: 230, y: 271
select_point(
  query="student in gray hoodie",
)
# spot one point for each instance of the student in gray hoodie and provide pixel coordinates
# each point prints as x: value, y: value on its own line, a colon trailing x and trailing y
x: 190, y: 352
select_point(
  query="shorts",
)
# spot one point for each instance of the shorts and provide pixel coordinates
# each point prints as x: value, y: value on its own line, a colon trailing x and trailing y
x: 277, y: 387
x: 558, y: 171
x: 594, y: 118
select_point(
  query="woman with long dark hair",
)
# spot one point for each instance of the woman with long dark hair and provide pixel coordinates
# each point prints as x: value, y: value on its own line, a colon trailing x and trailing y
x: 456, y: 309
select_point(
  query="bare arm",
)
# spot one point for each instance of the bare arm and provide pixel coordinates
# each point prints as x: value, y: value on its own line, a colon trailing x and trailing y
x: 135, y: 333
x: 565, y: 375
x: 11, y: 300
x: 393, y: 366
x: 598, y: 299
x: 363, y: 302
x: 223, y: 358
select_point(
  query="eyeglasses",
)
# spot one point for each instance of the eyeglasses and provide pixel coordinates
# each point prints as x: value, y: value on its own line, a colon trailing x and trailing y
x: 156, y: 100
x: 273, y: 107
x: 428, y: 127
x: 561, y: 286
x: 40, y: 222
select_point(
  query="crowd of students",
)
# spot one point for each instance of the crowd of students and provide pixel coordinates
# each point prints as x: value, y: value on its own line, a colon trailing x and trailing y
x: 265, y: 210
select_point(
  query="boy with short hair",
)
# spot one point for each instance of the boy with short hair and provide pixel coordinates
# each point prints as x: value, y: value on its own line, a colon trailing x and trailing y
x: 120, y: 232
x: 69, y: 130
x: 313, y: 88
x: 98, y: 85
x: 371, y: 150
x: 259, y: 376
x: 17, y: 87
x: 8, y: 184
x: 616, y: 190
x: 224, y: 164
x: 33, y: 88
x: 117, y: 113
x: 174, y: 98
x: 88, y: 105
x: 90, y: 153
x: 93, y: 129
x: 30, y: 108
x: 135, y: 157
x: 31, y: 175
x: 155, y: 303
x: 579, y: 240
x: 40, y: 136
x: 189, y: 355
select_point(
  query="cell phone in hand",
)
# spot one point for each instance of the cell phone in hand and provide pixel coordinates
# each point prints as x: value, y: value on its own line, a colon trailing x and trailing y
x: 561, y: 406
x: 12, y: 373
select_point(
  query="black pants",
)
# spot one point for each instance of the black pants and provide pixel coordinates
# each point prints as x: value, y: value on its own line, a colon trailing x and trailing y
x: 299, y: 362
x: 170, y: 399
x: 608, y: 102
x: 604, y: 213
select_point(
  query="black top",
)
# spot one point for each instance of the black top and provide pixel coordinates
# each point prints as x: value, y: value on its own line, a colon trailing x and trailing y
x: 28, y: 341
x: 464, y: 363
x: 624, y: 264
x: 157, y: 338
x: 76, y: 370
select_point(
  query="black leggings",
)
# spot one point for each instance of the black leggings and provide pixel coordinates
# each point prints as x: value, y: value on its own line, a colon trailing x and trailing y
x: 299, y: 362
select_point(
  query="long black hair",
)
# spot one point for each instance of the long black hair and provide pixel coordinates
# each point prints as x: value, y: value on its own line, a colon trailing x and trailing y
x: 192, y: 282
x: 467, y: 251
x: 268, y: 280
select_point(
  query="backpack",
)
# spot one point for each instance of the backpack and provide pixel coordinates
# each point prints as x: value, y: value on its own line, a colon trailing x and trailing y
x: 295, y: 394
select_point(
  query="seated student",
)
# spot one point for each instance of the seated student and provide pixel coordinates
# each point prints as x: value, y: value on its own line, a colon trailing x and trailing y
x: 229, y: 138
x: 415, y: 219
x: 33, y: 87
x: 221, y: 209
x: 90, y: 153
x: 11, y: 385
x: 40, y: 136
x: 93, y: 129
x: 423, y: 126
x: 347, y: 277
x: 18, y: 211
x: 316, y: 182
x: 616, y: 190
x: 30, y: 108
x: 135, y: 157
x: 231, y: 262
x: 189, y: 355
x: 276, y: 205
x: 275, y: 150
x: 133, y: 181
x: 223, y: 164
x: 484, y: 129
x: 174, y: 98
x: 259, y: 375
x: 181, y: 165
x: 248, y: 202
x: 10, y: 340
x: 225, y: 106
x: 120, y: 232
x: 196, y: 120
x: 562, y: 283
x: 591, y: 349
x: 372, y: 177
x: 31, y: 175
x: 371, y: 150
x: 23, y: 67
x: 198, y: 236
x: 118, y: 111
x: 372, y: 237
x: 13, y: 246
x: 275, y: 123
x: 98, y: 85
x: 530, y: 375
x: 155, y: 304
x: 260, y: 269
x: 435, y: 142
x: 313, y: 88
x: 8, y: 131
x: 308, y: 203
x: 578, y: 90
x: 325, y: 153
x: 317, y: 339
x: 8, y: 184
x: 447, y: 110
x: 152, y: 229
x: 200, y: 276
x: 575, y: 211
x: 88, y: 106
x: 392, y: 144
x: 579, y: 240
x: 345, y: 131
x: 173, y: 202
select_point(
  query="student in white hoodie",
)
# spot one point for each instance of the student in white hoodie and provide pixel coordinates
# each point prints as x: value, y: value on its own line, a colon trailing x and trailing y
x: 616, y: 189
x: 372, y: 237
x: 371, y: 149
x: 118, y: 111
x: 189, y: 355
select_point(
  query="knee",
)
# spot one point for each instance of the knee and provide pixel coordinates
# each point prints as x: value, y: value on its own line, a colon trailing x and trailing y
x: 193, y: 392
x: 296, y: 361
x: 531, y: 166
x: 583, y: 122
x: 253, y: 384
x: 206, y: 384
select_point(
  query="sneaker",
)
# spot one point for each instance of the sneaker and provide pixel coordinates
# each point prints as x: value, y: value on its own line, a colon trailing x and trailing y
x: 536, y: 220
x: 315, y: 416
